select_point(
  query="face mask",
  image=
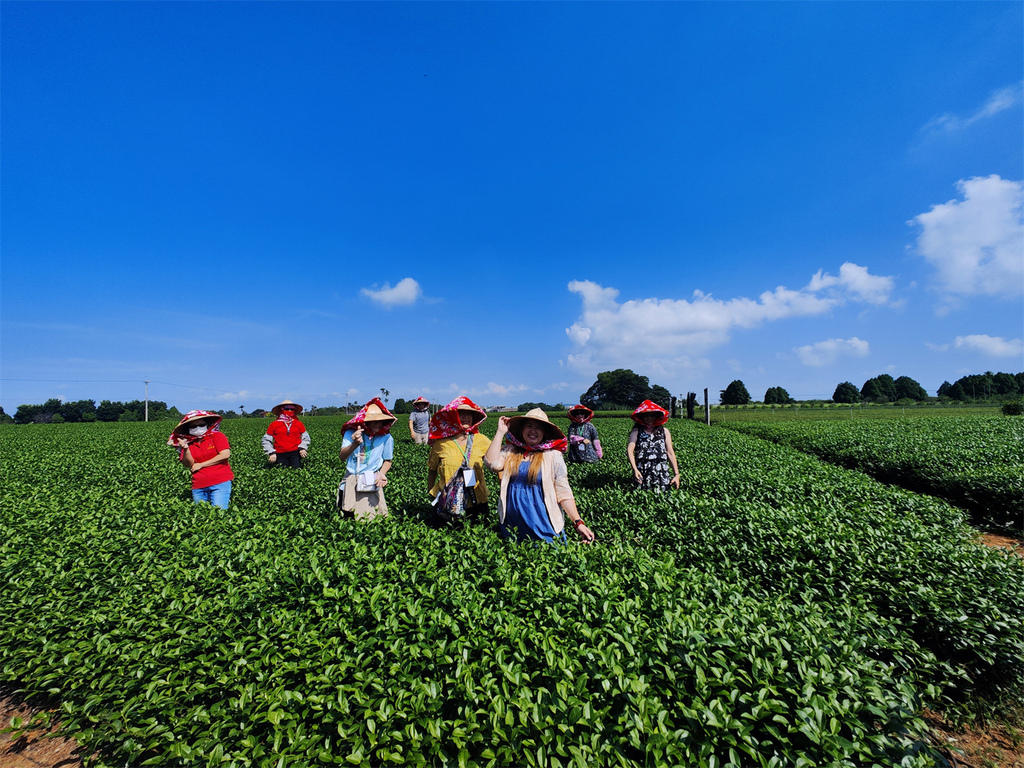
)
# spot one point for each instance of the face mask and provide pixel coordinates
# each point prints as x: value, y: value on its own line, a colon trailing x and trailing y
x: 198, y: 431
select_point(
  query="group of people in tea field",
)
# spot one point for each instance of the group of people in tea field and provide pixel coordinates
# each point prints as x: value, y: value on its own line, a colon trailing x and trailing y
x: 528, y: 453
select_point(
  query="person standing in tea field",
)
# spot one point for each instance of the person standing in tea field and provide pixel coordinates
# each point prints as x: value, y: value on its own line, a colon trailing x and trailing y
x: 204, y: 449
x: 419, y: 421
x: 534, y: 482
x: 286, y: 441
x: 584, y: 447
x: 650, y: 448
x: 455, y: 468
x: 367, y: 448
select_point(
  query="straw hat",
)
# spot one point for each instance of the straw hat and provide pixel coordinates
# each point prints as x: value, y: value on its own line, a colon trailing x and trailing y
x: 420, y: 401
x: 276, y: 410
x: 478, y: 415
x: 212, y: 419
x: 374, y: 413
x: 516, y: 424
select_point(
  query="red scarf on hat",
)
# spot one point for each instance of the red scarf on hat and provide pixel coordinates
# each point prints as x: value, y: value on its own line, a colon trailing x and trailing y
x: 446, y: 422
x: 360, y: 418
x: 650, y: 407
x: 577, y: 418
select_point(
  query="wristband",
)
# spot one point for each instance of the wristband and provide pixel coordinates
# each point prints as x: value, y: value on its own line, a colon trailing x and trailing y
x: 577, y: 523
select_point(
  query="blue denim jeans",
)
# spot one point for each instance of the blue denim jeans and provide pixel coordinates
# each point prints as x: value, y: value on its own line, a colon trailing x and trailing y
x: 219, y: 495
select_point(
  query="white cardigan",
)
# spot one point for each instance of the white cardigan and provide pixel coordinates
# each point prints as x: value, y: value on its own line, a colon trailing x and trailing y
x: 555, y: 483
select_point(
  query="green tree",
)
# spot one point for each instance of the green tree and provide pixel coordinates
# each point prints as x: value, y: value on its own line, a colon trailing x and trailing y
x: 777, y: 396
x: 846, y: 392
x: 622, y: 389
x: 524, y: 407
x: 1005, y: 384
x: 76, y: 411
x: 109, y: 410
x: 735, y: 394
x: 402, y: 406
x: 881, y: 389
x: 908, y: 389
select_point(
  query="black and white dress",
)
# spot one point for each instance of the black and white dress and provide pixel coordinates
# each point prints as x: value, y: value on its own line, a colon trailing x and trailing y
x: 651, y: 456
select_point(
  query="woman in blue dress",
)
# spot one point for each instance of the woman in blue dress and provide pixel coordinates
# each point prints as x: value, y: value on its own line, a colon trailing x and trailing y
x: 535, y: 495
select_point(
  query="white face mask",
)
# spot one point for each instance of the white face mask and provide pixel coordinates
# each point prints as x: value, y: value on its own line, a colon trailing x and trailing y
x: 198, y: 431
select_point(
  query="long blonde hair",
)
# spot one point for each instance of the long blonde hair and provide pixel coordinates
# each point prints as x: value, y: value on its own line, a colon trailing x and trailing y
x: 514, y: 457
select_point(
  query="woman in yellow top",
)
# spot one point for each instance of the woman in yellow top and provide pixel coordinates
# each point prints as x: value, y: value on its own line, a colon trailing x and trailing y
x: 455, y: 469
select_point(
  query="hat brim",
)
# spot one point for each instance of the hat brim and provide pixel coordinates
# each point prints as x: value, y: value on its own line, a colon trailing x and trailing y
x: 182, y: 427
x: 516, y: 424
x: 276, y: 410
x: 478, y: 414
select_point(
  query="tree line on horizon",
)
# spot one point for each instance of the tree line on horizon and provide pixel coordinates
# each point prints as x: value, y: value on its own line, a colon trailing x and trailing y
x: 618, y: 390
x: 986, y: 387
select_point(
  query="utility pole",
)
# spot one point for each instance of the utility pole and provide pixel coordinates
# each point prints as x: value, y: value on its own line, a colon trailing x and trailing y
x: 147, y: 400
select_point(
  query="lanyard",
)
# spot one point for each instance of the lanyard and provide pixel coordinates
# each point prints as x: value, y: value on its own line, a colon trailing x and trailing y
x: 367, y: 447
x: 469, y: 449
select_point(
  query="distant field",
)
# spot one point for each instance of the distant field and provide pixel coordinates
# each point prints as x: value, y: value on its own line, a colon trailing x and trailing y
x: 838, y: 412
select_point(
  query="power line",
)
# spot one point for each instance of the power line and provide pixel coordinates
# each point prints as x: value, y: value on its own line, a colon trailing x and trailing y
x: 120, y: 381
x: 80, y: 381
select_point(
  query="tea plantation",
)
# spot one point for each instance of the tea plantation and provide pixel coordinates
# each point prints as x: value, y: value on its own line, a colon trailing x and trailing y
x: 776, y: 611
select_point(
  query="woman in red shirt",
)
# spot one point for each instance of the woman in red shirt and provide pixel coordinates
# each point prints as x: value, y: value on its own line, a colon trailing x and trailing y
x: 286, y: 440
x: 204, y: 449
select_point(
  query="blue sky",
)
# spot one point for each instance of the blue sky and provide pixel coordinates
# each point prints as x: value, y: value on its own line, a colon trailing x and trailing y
x: 244, y: 202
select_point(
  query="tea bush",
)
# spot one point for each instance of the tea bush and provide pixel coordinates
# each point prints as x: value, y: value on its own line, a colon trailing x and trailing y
x: 775, y: 611
x: 977, y: 463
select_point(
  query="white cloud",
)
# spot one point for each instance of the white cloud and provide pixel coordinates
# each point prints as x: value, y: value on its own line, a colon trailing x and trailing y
x: 828, y: 351
x: 500, y: 390
x: 406, y: 292
x: 874, y: 289
x: 994, y: 346
x: 999, y: 101
x: 976, y: 244
x: 661, y: 335
x: 240, y: 396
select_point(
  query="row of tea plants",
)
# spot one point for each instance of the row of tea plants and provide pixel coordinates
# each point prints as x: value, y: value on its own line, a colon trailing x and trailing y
x: 775, y: 611
x: 976, y: 463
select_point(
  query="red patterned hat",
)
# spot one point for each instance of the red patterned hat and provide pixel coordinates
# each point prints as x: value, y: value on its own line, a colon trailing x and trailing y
x: 648, y: 406
x: 374, y: 410
x: 580, y: 414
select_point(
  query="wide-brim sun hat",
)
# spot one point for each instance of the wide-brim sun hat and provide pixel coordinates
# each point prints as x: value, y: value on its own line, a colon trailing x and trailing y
x: 276, y: 410
x: 212, y: 419
x: 420, y: 401
x: 375, y: 413
x: 478, y: 414
x: 516, y: 424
